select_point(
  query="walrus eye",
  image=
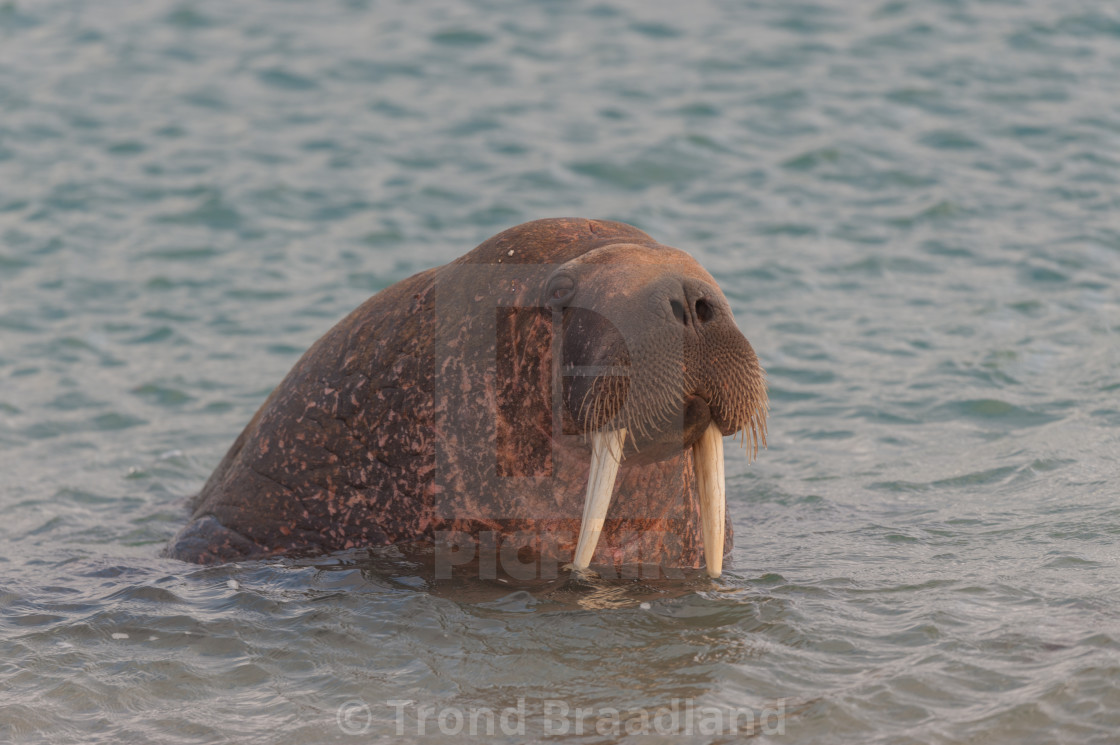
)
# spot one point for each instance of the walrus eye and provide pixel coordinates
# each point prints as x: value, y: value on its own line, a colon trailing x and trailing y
x: 560, y: 290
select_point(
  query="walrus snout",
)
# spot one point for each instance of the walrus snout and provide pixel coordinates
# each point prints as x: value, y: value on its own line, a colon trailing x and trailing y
x: 649, y: 344
x: 696, y: 417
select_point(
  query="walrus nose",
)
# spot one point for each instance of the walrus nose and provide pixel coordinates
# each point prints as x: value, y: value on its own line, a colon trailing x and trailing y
x: 693, y: 305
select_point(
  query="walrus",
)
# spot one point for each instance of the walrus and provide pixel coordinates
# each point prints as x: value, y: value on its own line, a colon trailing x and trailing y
x: 561, y: 391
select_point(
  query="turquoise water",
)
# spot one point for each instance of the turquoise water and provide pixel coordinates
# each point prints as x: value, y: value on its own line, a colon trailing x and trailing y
x: 912, y: 208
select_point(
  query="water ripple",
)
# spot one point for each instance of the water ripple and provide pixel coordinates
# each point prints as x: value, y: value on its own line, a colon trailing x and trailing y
x: 909, y: 206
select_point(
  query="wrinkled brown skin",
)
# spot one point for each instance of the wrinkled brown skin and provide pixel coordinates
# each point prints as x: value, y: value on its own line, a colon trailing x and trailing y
x: 431, y: 408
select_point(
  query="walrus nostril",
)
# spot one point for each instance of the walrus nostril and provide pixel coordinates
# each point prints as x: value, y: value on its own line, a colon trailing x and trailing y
x: 678, y: 311
x: 701, y: 311
x: 704, y: 310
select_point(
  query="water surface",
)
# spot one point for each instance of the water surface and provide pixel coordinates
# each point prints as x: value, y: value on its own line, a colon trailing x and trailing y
x: 912, y: 208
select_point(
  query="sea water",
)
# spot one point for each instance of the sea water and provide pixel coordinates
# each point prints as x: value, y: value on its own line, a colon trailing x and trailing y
x: 911, y: 206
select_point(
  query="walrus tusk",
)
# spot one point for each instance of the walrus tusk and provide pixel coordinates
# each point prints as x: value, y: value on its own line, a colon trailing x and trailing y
x: 707, y: 461
x: 606, y: 454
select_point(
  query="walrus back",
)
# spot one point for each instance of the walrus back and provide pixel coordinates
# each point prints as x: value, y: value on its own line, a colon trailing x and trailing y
x: 339, y: 453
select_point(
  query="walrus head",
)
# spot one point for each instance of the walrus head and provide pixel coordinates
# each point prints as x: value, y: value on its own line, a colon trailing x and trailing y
x: 652, y: 363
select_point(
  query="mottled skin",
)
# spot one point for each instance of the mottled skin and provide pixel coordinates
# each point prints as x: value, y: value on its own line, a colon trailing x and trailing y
x: 436, y: 405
